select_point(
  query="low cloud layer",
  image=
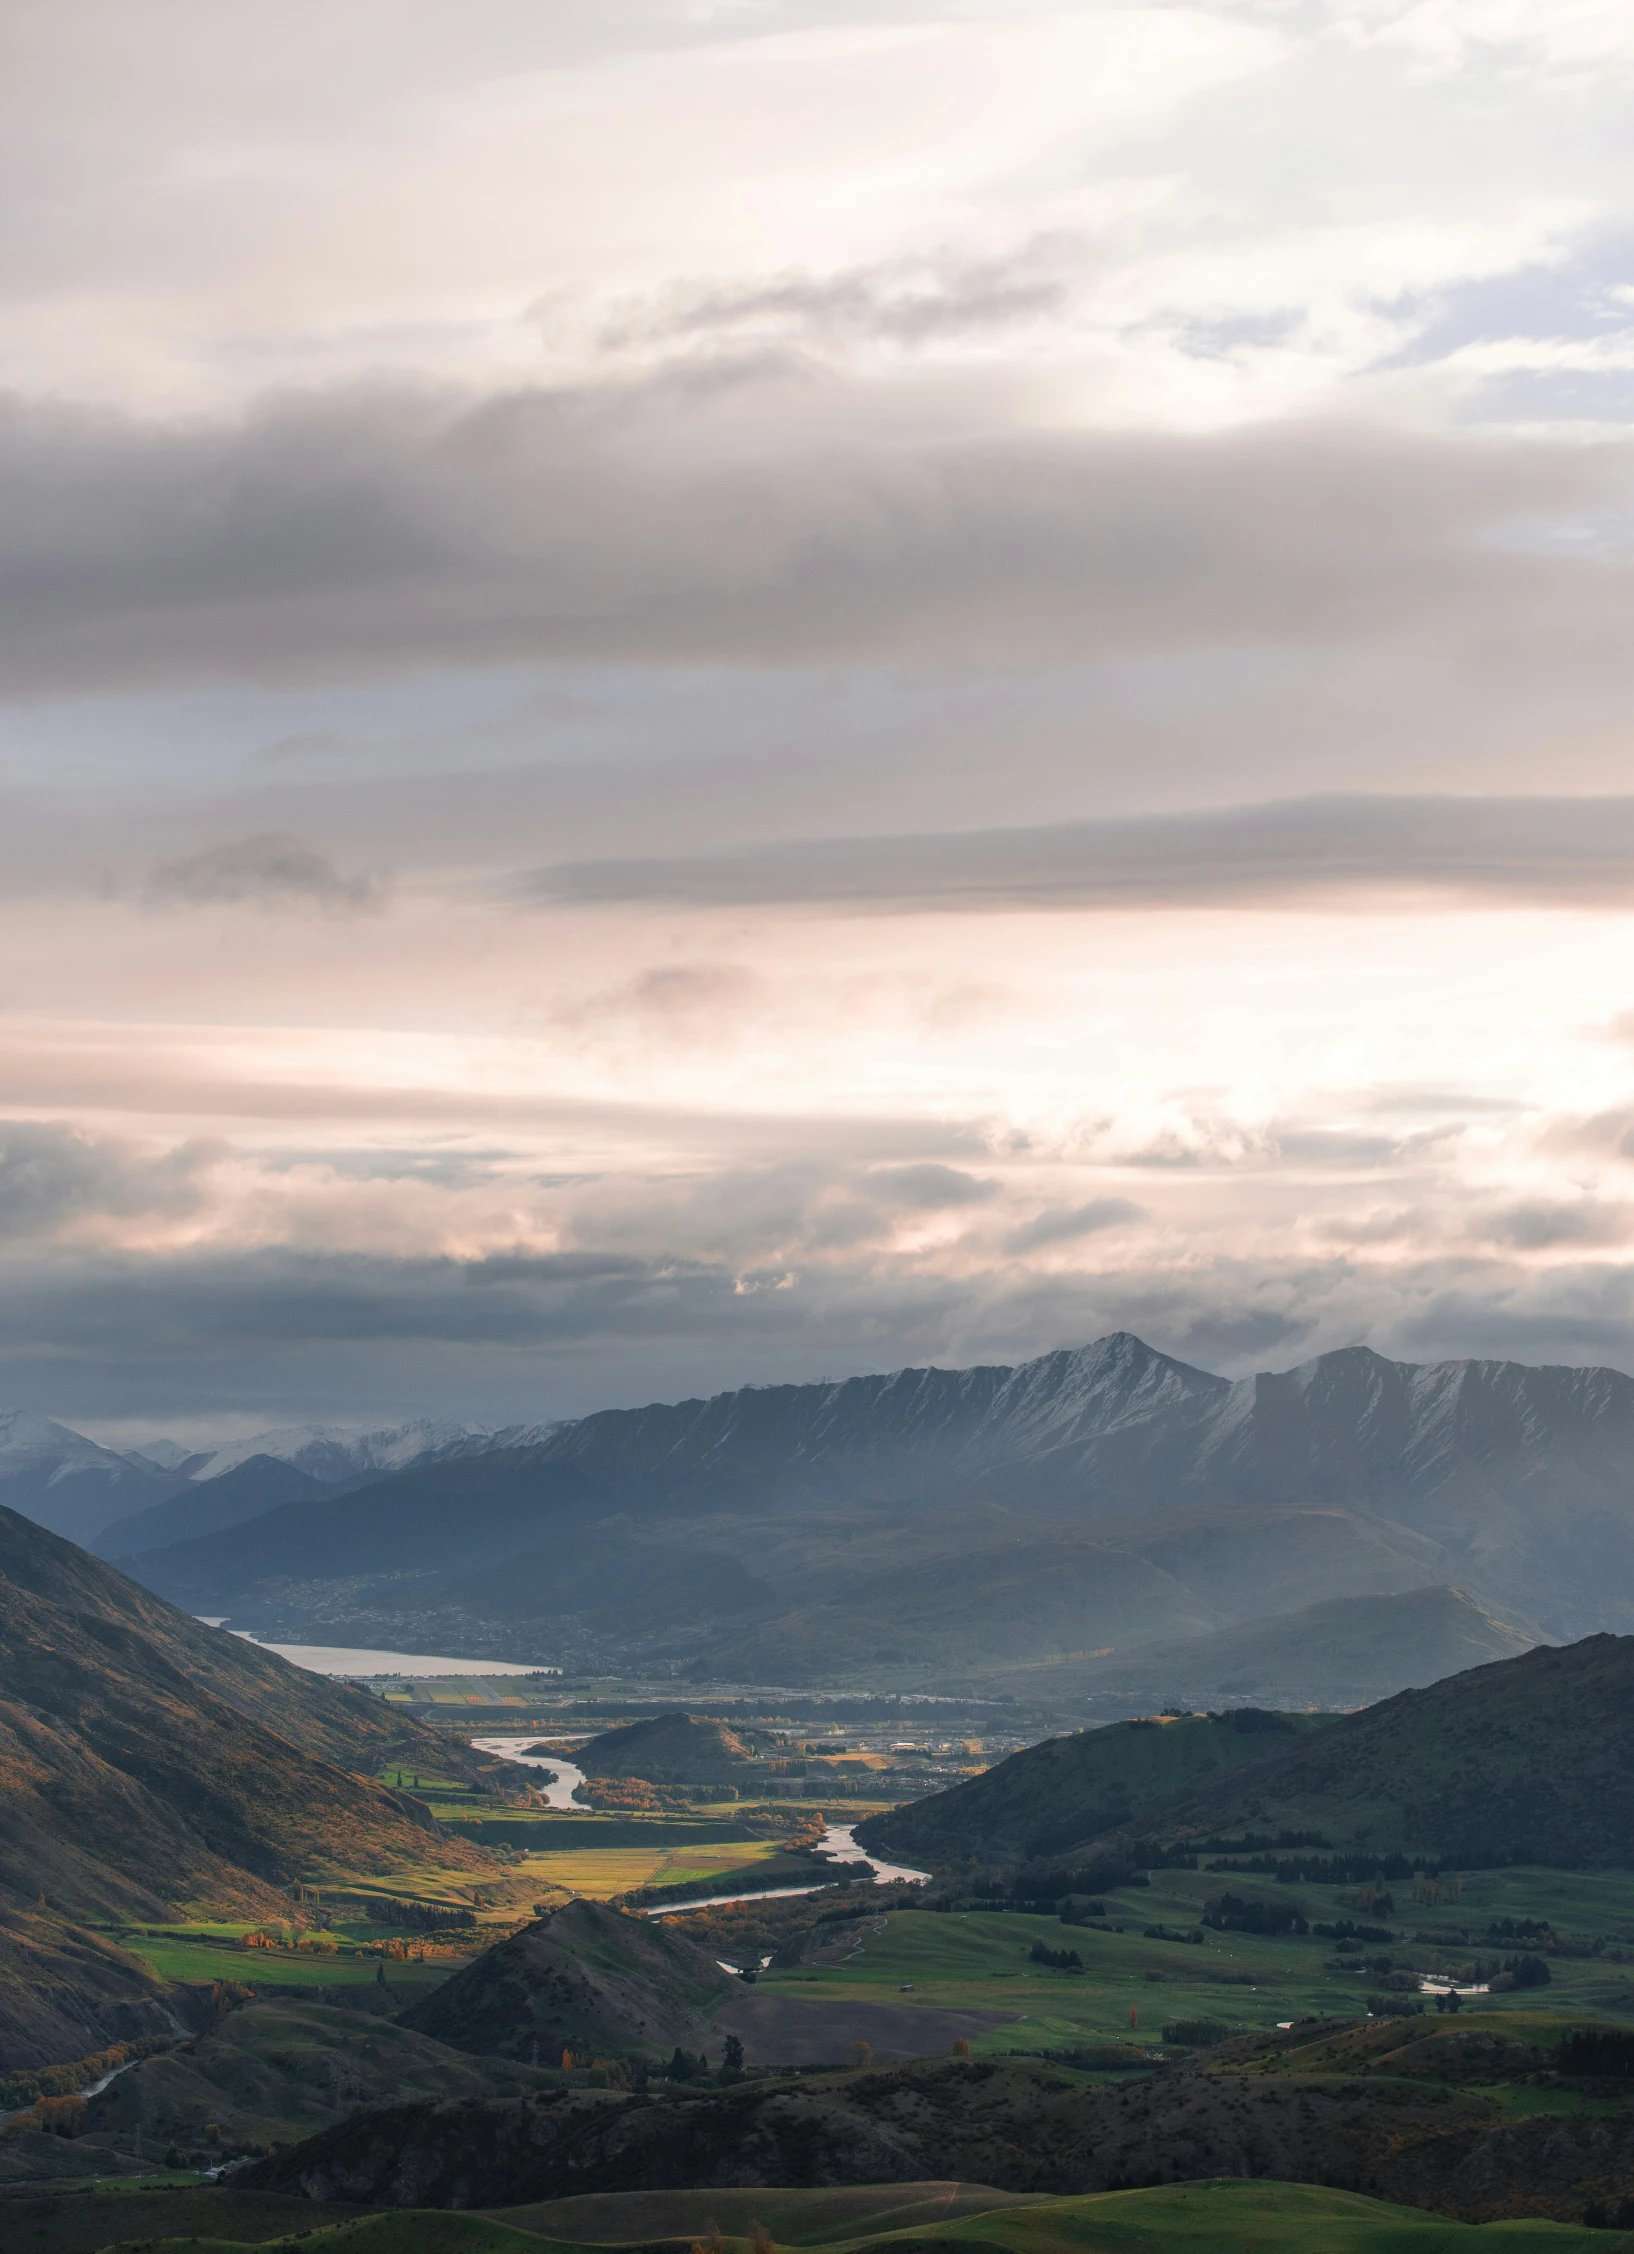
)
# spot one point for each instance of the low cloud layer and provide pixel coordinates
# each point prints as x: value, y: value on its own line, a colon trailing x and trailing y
x: 508, y: 1336
x: 1564, y: 852
x: 755, y: 520
x: 53, y: 1176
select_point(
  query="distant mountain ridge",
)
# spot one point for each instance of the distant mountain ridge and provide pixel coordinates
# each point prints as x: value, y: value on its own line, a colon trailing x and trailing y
x: 332, y: 1453
x: 1077, y: 1503
x: 81, y: 1489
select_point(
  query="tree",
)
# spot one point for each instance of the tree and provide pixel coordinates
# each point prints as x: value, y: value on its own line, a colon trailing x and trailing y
x: 960, y: 2048
x: 732, y: 2053
x: 862, y: 2054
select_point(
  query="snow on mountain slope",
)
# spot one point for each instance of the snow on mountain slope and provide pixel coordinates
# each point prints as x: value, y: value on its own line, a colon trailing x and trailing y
x: 336, y: 1452
x: 61, y: 1480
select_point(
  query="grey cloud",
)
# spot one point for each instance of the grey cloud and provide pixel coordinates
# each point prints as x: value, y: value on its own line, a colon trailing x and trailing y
x: 52, y: 1175
x: 1546, y: 851
x: 269, y: 870
x: 1539, y: 1226
x: 530, y: 1336
x: 1379, y: 1227
x: 930, y: 1186
x: 1061, y: 1224
x: 898, y: 302
x: 686, y: 1002
x: 405, y: 526
x: 1421, y: 1102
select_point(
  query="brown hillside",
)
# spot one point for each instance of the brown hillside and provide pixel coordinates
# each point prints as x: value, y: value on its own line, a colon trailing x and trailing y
x: 669, y: 1749
x: 587, y: 1978
x: 131, y: 1789
x: 331, y: 1719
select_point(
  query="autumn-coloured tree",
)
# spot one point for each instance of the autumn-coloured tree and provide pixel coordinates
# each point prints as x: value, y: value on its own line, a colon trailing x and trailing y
x: 862, y: 2054
x: 959, y: 2048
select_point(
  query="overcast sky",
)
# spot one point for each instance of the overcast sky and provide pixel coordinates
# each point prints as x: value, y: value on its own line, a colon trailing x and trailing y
x: 697, y: 691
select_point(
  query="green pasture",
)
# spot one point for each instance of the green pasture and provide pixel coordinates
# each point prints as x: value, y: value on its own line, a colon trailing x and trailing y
x: 978, y: 1959
x: 1209, y: 2217
x: 179, y: 1957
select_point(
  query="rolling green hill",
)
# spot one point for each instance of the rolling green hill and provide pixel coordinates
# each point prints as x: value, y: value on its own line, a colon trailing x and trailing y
x: 1209, y: 2217
x: 1068, y: 1789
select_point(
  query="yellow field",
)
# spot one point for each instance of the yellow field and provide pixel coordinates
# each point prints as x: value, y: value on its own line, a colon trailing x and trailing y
x: 603, y: 1871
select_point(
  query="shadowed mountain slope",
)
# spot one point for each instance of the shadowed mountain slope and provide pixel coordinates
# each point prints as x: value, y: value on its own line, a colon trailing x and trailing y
x: 1530, y: 1759
x: 67, y: 1483
x: 1159, y: 1501
x: 586, y: 1979
x: 324, y: 1717
x: 1235, y: 2133
x: 259, y: 1484
x: 1069, y: 1789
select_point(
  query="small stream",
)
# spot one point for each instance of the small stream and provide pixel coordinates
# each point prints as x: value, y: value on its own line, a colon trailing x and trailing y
x: 837, y: 1845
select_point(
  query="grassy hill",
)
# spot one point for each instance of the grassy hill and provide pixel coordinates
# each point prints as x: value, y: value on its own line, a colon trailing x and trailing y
x: 586, y: 1979
x: 274, y: 2071
x: 1211, y: 2217
x: 1068, y: 1789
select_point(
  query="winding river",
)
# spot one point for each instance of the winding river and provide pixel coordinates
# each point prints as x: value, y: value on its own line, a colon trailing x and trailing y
x: 837, y: 1845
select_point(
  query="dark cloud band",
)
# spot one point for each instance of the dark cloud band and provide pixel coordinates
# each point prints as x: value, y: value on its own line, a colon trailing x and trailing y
x: 753, y: 518
x: 1557, y: 852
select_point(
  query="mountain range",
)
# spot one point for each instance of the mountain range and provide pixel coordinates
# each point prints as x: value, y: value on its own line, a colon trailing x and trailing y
x: 931, y: 1528
x: 78, y: 1487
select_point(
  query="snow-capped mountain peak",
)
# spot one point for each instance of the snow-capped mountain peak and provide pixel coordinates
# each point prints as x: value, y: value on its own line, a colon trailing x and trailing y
x: 337, y: 1452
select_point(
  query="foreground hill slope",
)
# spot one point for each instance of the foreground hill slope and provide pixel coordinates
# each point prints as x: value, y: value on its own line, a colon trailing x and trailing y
x: 1052, y: 1796
x: 586, y: 1979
